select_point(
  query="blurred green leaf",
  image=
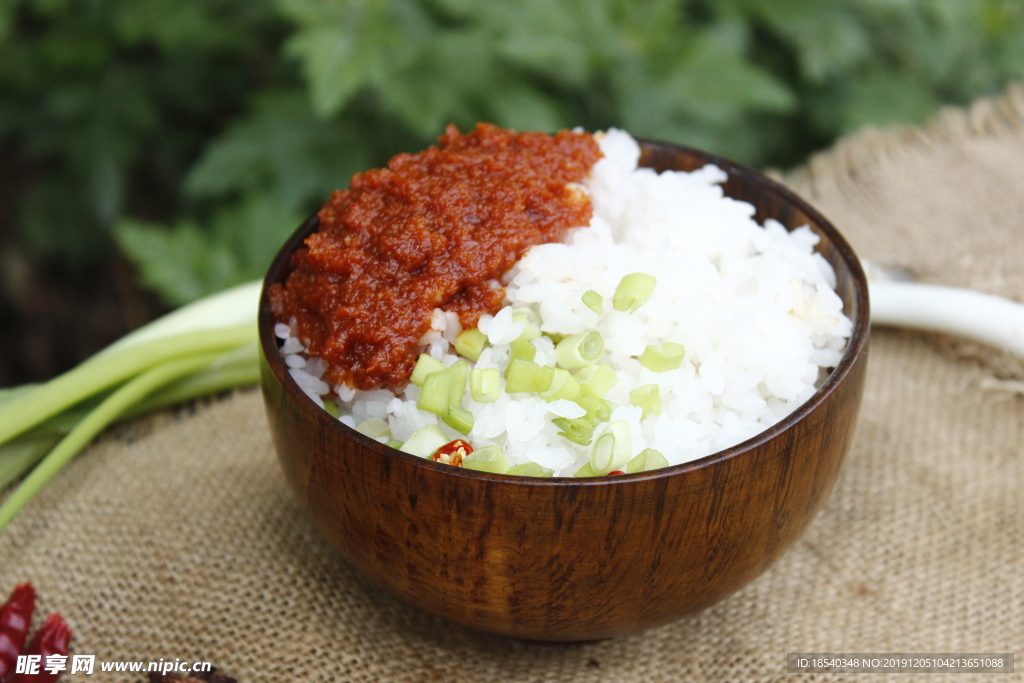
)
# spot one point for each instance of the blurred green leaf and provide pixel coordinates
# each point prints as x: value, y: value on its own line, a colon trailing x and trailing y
x: 230, y: 120
x: 282, y: 149
x: 175, y: 25
x: 517, y: 105
x: 338, y: 44
x: 183, y: 264
x: 827, y: 38
x: 886, y: 98
x: 186, y: 262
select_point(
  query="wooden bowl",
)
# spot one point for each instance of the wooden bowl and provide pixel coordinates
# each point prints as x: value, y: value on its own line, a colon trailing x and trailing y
x: 564, y: 559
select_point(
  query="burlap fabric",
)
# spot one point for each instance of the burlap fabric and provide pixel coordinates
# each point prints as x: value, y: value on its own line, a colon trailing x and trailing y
x: 176, y: 537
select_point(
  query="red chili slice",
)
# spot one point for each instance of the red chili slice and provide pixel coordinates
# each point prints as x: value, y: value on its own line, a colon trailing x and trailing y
x: 453, y: 452
x: 616, y: 472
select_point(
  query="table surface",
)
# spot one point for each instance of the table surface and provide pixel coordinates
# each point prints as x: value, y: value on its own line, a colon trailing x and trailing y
x: 176, y: 537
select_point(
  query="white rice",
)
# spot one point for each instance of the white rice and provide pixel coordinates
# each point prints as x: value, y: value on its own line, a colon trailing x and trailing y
x: 754, y: 307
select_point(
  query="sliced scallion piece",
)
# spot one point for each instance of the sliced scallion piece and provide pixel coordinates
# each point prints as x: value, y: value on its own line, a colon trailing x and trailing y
x: 332, y: 408
x: 394, y: 443
x: 424, y: 441
x: 611, y: 450
x: 524, y: 375
x: 485, y: 384
x: 647, y: 398
x: 458, y: 371
x: 435, y: 396
x: 458, y: 419
x: 530, y: 469
x: 654, y: 460
x: 374, y: 428
x: 521, y: 350
x: 425, y: 365
x: 663, y: 357
x: 579, y: 350
x: 486, y: 459
x: 598, y: 409
x: 637, y: 463
x: 470, y: 343
x: 596, y: 380
x: 593, y: 301
x: 578, y: 430
x: 530, y: 323
x: 633, y: 292
x: 585, y: 471
x: 563, y: 385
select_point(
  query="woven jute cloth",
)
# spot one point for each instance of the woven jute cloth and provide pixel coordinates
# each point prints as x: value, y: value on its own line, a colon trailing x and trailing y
x: 176, y: 537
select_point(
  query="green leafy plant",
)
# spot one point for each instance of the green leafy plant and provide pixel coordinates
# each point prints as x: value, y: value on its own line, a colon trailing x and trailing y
x: 198, y: 133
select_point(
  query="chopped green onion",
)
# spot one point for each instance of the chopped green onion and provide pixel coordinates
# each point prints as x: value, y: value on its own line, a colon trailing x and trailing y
x: 530, y: 469
x: 486, y: 459
x: 563, y: 385
x: 633, y: 292
x: 579, y: 350
x: 585, y: 471
x: 637, y: 463
x: 610, y: 451
x: 554, y: 337
x: 654, y: 460
x: 424, y: 442
x: 663, y: 357
x: 394, y: 443
x: 458, y: 371
x: 525, y: 314
x: 594, y: 301
x: 521, y: 350
x: 425, y: 365
x: 374, y: 428
x: 524, y: 375
x: 458, y: 419
x: 485, y: 384
x: 435, y: 397
x: 578, y: 430
x: 648, y: 398
x: 470, y: 343
x: 596, y: 380
x: 598, y: 409
x: 530, y: 322
x: 332, y: 409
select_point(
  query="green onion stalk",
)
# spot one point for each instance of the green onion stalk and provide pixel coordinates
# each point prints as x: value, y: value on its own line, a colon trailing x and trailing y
x: 203, y: 348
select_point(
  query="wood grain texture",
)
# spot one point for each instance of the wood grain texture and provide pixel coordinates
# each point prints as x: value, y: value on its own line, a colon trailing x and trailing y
x: 567, y: 559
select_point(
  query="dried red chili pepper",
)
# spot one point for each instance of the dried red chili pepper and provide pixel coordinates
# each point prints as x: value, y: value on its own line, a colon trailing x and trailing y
x: 52, y: 638
x: 616, y: 472
x: 453, y: 452
x: 15, y: 618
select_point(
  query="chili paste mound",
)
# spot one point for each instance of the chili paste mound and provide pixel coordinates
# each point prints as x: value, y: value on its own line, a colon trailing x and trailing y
x: 436, y: 229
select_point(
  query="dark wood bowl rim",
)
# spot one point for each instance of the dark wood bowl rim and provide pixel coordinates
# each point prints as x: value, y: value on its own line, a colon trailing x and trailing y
x: 854, y: 349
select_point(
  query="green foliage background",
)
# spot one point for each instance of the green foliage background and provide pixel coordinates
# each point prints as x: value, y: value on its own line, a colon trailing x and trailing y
x: 196, y: 134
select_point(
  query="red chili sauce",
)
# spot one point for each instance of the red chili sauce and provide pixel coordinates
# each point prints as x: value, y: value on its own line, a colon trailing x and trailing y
x: 432, y: 230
